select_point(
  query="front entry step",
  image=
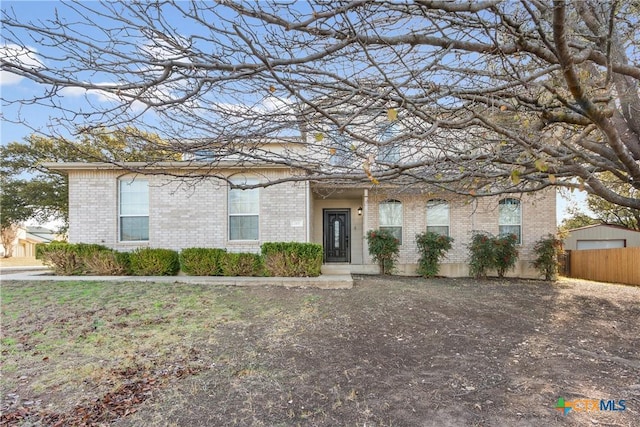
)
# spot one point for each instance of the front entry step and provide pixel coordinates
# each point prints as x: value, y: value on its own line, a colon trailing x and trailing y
x: 335, y: 269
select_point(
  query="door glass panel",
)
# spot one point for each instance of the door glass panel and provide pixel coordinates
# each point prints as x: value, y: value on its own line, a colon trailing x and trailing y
x: 336, y: 234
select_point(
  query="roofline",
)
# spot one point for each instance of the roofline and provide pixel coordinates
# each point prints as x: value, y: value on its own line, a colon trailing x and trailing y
x: 140, y: 166
x: 619, y: 227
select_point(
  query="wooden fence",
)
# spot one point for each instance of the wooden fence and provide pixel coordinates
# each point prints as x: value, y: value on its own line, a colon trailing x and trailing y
x: 607, y: 265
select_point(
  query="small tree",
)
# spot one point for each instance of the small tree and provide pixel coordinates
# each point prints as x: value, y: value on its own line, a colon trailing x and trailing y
x: 432, y: 248
x: 547, y: 252
x: 487, y: 251
x: 505, y: 253
x: 8, y: 236
x: 384, y: 248
x: 481, y: 255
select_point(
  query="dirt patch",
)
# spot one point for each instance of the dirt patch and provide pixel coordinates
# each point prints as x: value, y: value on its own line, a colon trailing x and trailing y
x: 390, y: 351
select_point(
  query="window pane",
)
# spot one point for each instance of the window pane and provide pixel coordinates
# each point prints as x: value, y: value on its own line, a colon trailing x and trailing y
x: 243, y: 227
x: 510, y: 229
x: 134, y: 197
x: 243, y: 201
x: 389, y: 154
x: 509, y: 212
x: 134, y: 228
x: 510, y: 219
x: 395, y: 231
x: 389, y: 150
x: 442, y: 230
x: 437, y: 213
x: 391, y: 214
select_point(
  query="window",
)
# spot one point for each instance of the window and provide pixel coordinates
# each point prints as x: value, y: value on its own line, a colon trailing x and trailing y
x: 391, y: 217
x: 438, y: 217
x: 510, y: 218
x: 389, y: 150
x: 244, y: 212
x: 341, y: 149
x: 134, y: 210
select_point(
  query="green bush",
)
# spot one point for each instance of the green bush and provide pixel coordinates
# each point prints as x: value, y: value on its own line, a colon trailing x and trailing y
x: 547, y: 251
x: 292, y: 259
x: 202, y: 261
x: 432, y: 247
x: 154, y: 262
x: 241, y: 264
x: 68, y: 259
x: 505, y: 253
x: 384, y: 247
x: 481, y: 255
x: 489, y: 252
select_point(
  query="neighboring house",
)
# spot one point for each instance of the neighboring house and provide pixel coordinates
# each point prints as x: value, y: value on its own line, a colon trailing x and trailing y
x: 601, y: 236
x: 123, y: 210
x: 27, y: 238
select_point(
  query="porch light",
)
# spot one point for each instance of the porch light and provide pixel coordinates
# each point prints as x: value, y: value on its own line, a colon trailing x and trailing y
x: 360, y: 211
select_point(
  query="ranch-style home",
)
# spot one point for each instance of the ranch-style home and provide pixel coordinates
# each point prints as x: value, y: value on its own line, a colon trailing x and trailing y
x: 113, y: 206
x: 127, y: 206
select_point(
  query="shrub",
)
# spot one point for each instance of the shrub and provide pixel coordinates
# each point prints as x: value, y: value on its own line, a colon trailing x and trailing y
x: 107, y: 263
x: 487, y: 252
x: 384, y: 248
x: 62, y: 257
x: 81, y: 258
x: 432, y: 247
x: 202, y: 261
x: 505, y: 253
x: 241, y: 264
x: 481, y: 256
x: 292, y: 259
x: 154, y: 262
x: 547, y: 251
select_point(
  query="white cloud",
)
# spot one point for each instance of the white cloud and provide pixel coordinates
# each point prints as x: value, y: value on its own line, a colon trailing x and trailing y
x: 101, y: 95
x: 19, y: 55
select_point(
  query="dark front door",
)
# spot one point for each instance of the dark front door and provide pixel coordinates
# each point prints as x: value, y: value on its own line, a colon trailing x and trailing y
x: 336, y: 228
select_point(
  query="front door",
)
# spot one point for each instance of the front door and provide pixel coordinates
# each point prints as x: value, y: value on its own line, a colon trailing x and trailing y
x: 336, y: 227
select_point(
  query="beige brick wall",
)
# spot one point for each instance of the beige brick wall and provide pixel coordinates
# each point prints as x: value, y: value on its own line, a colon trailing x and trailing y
x: 183, y: 214
x: 467, y: 215
x: 186, y: 214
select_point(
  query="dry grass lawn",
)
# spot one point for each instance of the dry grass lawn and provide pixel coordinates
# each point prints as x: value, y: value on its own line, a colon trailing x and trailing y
x: 389, y: 352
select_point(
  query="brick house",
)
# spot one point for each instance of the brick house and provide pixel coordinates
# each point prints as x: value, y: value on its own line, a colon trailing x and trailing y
x: 112, y: 206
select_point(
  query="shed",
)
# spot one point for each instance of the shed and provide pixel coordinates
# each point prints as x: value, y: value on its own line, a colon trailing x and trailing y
x: 601, y: 236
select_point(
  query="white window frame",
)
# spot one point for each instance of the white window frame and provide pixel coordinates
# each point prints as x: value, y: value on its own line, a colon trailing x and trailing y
x: 388, y: 152
x: 341, y: 152
x: 439, y: 202
x: 256, y: 213
x: 388, y: 226
x: 509, y: 201
x: 121, y: 215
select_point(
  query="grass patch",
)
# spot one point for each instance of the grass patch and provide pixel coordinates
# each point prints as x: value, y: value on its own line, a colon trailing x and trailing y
x: 75, y: 336
x: 390, y: 351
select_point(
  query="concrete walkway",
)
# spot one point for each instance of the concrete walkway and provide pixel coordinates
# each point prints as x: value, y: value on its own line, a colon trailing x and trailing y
x: 342, y: 281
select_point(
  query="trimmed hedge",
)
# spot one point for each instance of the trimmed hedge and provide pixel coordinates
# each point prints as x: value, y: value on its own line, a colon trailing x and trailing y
x: 284, y: 259
x: 202, y: 261
x: 69, y: 259
x: 242, y: 264
x: 292, y: 259
x: 154, y: 262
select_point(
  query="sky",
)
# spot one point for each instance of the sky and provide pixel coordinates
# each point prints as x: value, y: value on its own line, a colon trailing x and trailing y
x: 36, y: 117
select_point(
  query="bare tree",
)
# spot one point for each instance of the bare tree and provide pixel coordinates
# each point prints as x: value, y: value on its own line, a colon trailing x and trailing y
x: 8, y: 235
x: 488, y: 96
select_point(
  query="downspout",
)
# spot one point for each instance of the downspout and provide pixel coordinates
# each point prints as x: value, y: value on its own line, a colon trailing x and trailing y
x: 307, y: 200
x: 365, y: 225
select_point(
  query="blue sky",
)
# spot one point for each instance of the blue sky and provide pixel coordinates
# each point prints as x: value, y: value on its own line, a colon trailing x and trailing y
x: 37, y: 117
